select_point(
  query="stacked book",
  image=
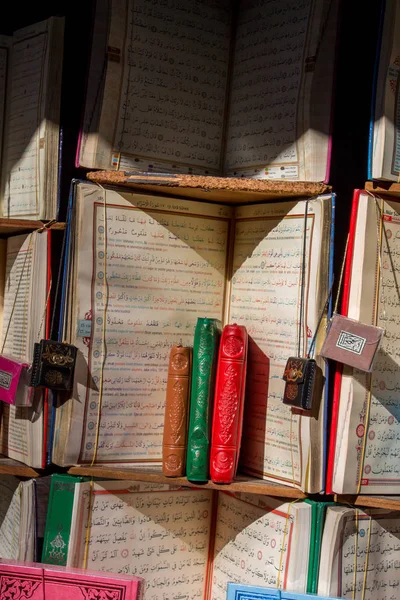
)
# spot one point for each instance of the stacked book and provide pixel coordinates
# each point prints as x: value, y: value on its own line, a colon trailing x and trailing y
x: 218, y: 370
x: 167, y: 329
x: 177, y: 539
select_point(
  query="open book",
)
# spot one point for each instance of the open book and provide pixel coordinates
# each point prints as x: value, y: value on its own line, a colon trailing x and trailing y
x: 222, y: 88
x: 364, y: 453
x: 360, y: 554
x: 384, y: 142
x: 23, y: 507
x: 25, y: 280
x: 142, y: 269
x: 189, y: 543
x: 30, y: 91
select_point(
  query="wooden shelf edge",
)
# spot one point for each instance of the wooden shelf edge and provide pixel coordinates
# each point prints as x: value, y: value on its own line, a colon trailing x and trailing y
x: 225, y: 190
x: 388, y: 502
x: 9, y: 226
x: 388, y: 188
x: 13, y: 467
x: 241, y: 484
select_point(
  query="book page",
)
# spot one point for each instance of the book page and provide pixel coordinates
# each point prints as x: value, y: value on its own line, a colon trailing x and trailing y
x: 366, y: 565
x: 266, y: 298
x: 165, y: 267
x: 165, y: 82
x: 254, y: 543
x: 367, y: 450
x: 23, y: 161
x: 272, y: 87
x: 159, y: 534
x: 5, y: 43
x: 10, y: 515
x: 14, y: 335
x: 386, y: 142
x: 22, y: 427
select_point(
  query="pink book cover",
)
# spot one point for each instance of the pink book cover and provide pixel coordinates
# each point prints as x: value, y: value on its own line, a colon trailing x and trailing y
x: 31, y: 581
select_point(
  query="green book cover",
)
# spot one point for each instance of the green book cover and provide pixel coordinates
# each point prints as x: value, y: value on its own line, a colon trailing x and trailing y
x: 58, y: 522
x: 319, y: 530
x: 205, y: 353
x: 311, y: 560
x: 318, y: 512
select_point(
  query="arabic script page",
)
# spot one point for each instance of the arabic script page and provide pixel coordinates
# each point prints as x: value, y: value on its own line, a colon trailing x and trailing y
x: 265, y: 297
x: 165, y: 87
x: 367, y: 565
x: 150, y: 531
x: 149, y: 269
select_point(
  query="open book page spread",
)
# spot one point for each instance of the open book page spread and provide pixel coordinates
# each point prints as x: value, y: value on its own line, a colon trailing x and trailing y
x: 265, y: 294
x: 368, y: 415
x: 165, y: 267
x: 221, y: 88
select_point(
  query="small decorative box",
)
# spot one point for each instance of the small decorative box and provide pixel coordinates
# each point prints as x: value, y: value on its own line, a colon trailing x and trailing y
x: 299, y: 375
x: 352, y: 343
x: 53, y: 365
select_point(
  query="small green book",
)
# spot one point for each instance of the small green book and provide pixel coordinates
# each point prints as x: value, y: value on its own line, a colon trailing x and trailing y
x: 205, y: 353
x: 58, y: 522
x: 318, y: 513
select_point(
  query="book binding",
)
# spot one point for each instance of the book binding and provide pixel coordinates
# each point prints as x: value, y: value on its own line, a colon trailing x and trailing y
x: 229, y: 402
x: 205, y: 352
x: 176, y: 412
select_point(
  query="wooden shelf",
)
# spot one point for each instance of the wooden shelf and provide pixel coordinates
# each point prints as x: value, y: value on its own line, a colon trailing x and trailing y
x: 241, y: 484
x: 13, y: 467
x: 225, y: 190
x: 12, y: 226
x: 383, y: 187
x: 388, y: 502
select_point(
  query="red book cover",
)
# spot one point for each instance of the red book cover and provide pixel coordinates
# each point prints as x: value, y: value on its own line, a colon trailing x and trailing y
x: 338, y: 371
x: 228, y: 404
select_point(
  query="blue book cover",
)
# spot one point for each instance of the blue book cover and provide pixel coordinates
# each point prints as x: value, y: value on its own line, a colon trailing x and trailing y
x: 64, y: 285
x: 251, y: 592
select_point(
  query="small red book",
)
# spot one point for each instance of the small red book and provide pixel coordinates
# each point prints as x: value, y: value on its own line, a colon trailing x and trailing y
x: 228, y: 404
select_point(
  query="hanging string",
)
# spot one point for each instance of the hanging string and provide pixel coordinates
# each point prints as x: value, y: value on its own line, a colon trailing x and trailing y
x: 88, y: 525
x: 285, y: 533
x: 366, y: 559
x: 342, y: 268
x: 355, y: 556
x: 291, y: 447
x: 303, y: 277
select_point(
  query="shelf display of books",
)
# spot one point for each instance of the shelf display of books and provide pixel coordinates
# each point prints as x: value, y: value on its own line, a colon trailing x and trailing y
x: 199, y: 361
